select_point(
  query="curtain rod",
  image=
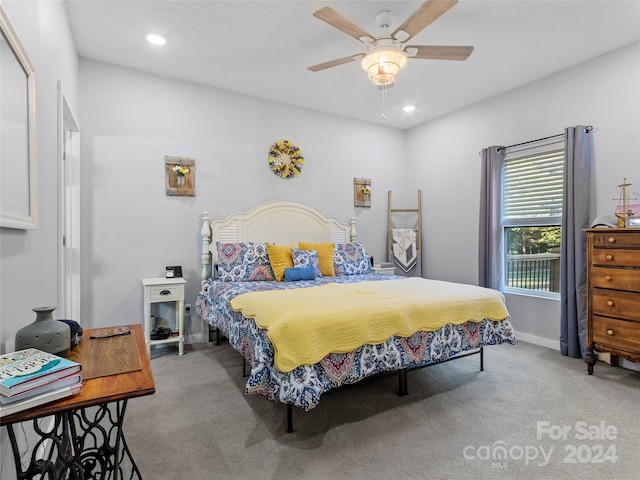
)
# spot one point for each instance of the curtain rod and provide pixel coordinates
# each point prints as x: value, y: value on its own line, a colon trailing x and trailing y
x: 587, y: 129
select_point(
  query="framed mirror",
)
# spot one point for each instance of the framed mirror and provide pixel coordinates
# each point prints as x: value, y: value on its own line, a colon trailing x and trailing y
x: 18, y: 195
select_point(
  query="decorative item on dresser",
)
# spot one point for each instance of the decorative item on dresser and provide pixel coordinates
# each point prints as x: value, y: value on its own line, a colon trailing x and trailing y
x: 624, y: 210
x: 613, y: 296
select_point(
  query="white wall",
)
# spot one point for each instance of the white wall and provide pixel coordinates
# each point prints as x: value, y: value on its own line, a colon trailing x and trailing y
x: 132, y: 230
x: 28, y: 275
x: 443, y: 159
x: 28, y: 258
x: 132, y: 120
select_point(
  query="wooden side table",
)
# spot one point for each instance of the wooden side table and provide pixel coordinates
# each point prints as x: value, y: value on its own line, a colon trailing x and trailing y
x: 157, y: 290
x: 86, y: 439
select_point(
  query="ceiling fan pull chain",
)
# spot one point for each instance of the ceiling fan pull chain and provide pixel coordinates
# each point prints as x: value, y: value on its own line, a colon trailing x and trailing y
x: 384, y: 102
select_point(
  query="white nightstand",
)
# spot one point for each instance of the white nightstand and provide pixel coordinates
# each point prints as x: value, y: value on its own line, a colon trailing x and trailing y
x: 384, y: 270
x: 158, y: 290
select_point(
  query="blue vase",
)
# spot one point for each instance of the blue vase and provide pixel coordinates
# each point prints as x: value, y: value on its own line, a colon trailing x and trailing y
x: 46, y: 333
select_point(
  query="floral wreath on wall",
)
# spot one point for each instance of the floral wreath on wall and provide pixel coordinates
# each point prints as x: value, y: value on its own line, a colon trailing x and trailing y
x: 285, y: 159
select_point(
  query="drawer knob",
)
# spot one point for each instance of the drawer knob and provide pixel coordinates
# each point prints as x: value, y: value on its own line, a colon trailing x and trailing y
x: 607, y: 278
x: 612, y: 240
x: 610, y: 303
x: 609, y: 257
x: 165, y: 292
x: 610, y: 332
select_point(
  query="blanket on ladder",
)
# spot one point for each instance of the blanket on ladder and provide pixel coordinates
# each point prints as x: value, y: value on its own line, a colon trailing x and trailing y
x: 404, y: 248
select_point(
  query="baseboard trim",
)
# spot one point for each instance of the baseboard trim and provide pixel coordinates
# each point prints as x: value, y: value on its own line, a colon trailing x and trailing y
x: 545, y: 342
x: 628, y: 365
x: 540, y: 341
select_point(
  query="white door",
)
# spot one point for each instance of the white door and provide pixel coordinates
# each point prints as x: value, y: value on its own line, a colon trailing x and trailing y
x: 68, y: 213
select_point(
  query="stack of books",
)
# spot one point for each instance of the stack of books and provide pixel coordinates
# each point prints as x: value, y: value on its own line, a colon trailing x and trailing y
x: 30, y: 378
x: 383, y: 265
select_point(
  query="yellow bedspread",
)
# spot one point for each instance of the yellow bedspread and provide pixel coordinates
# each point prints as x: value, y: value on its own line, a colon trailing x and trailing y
x: 306, y: 324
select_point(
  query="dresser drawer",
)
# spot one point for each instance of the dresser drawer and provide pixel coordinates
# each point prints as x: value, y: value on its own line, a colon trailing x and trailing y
x: 613, y: 303
x: 616, y: 333
x: 616, y: 239
x: 165, y: 293
x: 615, y: 257
x: 616, y: 278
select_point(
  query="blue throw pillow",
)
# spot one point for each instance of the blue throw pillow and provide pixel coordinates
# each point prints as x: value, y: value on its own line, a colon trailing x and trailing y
x: 293, y: 274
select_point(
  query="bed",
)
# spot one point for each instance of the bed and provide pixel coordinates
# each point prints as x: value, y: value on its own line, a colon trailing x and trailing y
x: 329, y: 321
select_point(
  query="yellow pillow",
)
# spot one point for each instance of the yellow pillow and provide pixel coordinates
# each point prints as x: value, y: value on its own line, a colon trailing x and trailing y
x: 280, y: 258
x: 325, y: 256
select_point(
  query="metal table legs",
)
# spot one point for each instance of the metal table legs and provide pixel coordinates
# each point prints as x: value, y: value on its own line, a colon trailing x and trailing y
x: 81, y: 444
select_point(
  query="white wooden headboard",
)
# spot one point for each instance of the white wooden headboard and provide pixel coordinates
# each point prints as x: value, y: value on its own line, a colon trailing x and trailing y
x: 278, y: 221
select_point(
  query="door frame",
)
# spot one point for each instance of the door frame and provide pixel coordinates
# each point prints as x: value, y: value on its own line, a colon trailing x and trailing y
x: 69, y: 268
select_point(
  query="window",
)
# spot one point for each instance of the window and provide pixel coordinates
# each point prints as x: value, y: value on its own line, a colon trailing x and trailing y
x: 532, y: 190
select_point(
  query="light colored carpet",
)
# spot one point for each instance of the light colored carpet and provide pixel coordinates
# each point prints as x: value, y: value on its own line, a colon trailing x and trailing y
x: 200, y: 425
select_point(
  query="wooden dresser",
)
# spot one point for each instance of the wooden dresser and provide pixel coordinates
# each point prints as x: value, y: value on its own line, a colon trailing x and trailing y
x: 613, y: 294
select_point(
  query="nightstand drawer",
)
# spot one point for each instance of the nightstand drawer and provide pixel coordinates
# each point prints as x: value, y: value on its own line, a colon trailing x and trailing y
x: 616, y: 333
x: 615, y: 278
x: 165, y: 293
x: 613, y: 303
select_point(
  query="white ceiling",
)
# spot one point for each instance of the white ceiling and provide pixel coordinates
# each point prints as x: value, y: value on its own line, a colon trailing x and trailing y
x: 262, y: 48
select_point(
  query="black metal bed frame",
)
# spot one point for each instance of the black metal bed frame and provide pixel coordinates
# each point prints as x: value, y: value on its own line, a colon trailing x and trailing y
x: 403, y: 388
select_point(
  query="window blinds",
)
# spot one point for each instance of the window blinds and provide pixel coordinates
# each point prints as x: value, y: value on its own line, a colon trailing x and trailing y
x: 532, y: 184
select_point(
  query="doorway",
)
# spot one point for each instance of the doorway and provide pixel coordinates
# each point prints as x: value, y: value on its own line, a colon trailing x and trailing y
x: 69, y: 285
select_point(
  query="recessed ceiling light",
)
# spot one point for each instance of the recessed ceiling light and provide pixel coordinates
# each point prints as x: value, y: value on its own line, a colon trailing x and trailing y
x: 156, y: 39
x: 409, y: 108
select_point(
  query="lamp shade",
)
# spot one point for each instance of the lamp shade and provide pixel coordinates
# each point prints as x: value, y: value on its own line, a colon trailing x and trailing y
x: 383, y: 65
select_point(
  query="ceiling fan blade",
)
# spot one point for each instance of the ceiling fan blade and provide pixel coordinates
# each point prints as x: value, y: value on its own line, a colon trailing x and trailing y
x: 426, y: 14
x: 334, y: 63
x: 441, y: 52
x: 333, y: 18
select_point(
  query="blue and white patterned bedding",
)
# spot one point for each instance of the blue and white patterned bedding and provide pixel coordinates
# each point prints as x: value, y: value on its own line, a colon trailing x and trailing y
x: 304, y: 385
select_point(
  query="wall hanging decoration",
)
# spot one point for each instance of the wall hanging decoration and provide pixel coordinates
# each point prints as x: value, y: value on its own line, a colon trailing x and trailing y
x: 285, y: 159
x: 181, y: 176
x: 18, y: 185
x: 362, y: 192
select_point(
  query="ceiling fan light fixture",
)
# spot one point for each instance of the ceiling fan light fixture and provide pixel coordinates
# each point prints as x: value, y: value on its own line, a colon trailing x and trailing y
x: 383, y: 65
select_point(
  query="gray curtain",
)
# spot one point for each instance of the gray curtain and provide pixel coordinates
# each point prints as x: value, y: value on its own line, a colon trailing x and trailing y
x: 575, y: 217
x: 490, y: 251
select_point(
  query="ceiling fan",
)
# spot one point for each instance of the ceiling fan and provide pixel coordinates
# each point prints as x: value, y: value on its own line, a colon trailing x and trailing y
x: 385, y: 56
